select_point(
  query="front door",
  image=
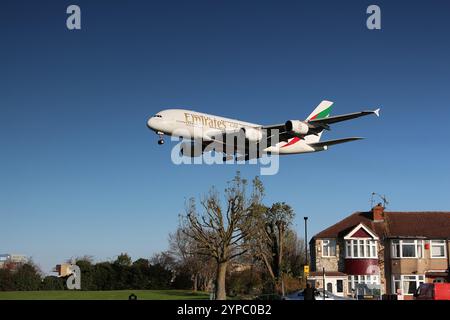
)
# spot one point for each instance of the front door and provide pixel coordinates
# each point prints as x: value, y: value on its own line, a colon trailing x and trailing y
x: 340, y: 287
x: 330, y: 287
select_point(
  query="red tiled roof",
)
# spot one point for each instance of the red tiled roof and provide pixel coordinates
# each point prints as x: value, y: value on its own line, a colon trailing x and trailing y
x: 421, y: 224
x: 395, y: 224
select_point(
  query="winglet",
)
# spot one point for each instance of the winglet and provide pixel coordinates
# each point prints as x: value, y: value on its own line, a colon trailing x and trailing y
x: 377, y: 112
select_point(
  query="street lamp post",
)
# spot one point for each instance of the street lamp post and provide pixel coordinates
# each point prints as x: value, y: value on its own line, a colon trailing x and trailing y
x: 323, y: 275
x: 306, y: 239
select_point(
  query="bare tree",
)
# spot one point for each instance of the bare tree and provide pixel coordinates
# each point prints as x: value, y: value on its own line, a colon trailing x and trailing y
x: 220, y: 231
x: 271, y: 225
x: 294, y: 254
x: 184, y: 250
x: 164, y: 259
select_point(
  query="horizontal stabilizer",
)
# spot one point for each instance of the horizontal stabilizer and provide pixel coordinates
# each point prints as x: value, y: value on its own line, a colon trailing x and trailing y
x: 333, y: 142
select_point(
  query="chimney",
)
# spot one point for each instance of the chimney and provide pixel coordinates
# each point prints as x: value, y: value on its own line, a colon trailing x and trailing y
x: 378, y: 213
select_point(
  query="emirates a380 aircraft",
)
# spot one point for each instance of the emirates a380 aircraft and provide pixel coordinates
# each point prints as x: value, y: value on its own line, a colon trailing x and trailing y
x: 292, y: 137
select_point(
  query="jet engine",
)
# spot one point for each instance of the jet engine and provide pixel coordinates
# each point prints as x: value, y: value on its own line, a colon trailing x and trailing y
x: 297, y: 127
x: 191, y: 149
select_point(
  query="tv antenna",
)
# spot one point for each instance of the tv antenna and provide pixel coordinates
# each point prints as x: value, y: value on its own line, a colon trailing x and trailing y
x: 382, y: 197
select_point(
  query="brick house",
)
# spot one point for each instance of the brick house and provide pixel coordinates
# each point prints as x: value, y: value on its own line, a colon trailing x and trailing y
x: 395, y: 251
x: 12, y: 261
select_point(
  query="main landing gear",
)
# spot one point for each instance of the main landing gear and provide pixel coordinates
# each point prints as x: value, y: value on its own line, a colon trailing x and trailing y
x: 161, y: 140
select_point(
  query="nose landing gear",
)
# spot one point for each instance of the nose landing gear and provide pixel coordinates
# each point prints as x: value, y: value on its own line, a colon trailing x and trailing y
x: 161, y: 140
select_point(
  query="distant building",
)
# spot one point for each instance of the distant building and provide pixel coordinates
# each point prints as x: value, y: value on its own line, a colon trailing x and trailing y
x: 12, y: 261
x: 394, y: 251
x: 3, y: 259
x: 64, y: 269
x: 239, y: 267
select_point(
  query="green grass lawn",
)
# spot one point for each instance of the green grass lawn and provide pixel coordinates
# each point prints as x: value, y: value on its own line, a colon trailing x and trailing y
x: 103, y: 295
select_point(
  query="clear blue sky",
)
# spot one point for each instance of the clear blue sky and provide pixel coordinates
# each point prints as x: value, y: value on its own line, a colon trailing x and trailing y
x: 81, y: 174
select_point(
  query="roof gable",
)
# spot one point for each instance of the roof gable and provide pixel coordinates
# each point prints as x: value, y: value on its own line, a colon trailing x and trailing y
x: 346, y: 225
x: 361, y: 231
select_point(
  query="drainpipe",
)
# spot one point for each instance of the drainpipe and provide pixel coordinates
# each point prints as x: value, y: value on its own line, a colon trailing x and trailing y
x: 448, y: 260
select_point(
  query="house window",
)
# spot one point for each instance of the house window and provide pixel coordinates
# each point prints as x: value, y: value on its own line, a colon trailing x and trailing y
x: 361, y: 248
x: 348, y: 248
x: 407, y: 249
x: 407, y: 284
x: 329, y: 248
x: 438, y: 248
x: 353, y: 281
x: 339, y: 286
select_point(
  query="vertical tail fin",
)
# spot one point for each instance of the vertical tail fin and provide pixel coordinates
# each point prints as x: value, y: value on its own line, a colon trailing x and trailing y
x: 323, y: 110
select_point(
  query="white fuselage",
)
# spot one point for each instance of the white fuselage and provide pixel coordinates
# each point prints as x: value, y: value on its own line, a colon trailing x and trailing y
x: 203, y: 126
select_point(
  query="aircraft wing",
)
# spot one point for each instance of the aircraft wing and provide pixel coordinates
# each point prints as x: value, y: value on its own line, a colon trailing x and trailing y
x: 317, y: 125
x: 277, y: 132
x: 333, y: 142
x: 283, y: 135
x: 324, y: 122
x: 275, y: 126
x: 270, y: 136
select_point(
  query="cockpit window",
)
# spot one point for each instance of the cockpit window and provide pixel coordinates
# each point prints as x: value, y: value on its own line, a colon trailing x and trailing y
x: 158, y: 115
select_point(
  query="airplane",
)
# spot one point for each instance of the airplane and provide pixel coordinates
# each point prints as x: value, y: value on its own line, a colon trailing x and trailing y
x: 291, y: 137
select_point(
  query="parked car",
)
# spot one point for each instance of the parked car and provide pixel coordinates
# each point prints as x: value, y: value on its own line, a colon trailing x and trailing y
x: 319, y: 296
x: 433, y: 291
x: 329, y: 296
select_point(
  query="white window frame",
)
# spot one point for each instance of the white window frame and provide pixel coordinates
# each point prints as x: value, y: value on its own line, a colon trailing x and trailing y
x: 401, y: 242
x: 365, y: 243
x: 441, y: 243
x: 328, y: 242
x: 365, y: 279
x: 419, y: 278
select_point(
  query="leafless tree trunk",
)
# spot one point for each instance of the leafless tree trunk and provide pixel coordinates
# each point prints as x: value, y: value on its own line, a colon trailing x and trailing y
x: 195, y: 282
x: 182, y: 249
x: 220, y: 231
x: 270, y: 234
x: 220, y: 281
